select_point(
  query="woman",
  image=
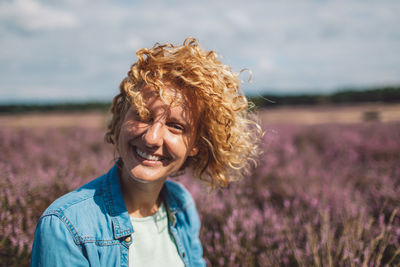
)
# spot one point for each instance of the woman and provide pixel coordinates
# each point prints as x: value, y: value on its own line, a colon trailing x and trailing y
x: 179, y: 108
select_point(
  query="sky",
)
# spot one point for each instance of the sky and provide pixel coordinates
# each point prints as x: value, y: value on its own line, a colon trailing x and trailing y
x: 80, y: 50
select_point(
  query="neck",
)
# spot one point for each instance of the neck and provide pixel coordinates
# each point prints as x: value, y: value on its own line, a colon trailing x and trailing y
x: 141, y: 199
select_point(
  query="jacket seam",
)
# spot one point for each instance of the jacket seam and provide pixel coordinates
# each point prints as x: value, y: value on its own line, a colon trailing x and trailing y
x: 67, y: 223
x: 62, y: 210
x: 78, y: 239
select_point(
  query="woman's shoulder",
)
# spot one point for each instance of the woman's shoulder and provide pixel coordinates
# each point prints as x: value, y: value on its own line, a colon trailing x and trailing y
x: 90, y: 212
x: 73, y: 201
x: 83, y: 212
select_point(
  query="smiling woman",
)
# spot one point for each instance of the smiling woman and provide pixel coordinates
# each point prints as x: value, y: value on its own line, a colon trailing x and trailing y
x: 179, y: 108
x: 154, y: 147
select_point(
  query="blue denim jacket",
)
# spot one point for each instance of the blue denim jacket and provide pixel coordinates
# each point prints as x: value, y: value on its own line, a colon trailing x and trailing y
x: 91, y: 226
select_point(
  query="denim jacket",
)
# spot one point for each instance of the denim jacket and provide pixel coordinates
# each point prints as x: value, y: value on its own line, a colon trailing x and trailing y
x: 91, y: 226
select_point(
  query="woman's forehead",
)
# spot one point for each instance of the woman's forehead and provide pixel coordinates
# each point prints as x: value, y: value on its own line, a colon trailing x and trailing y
x: 171, y: 94
x: 172, y: 101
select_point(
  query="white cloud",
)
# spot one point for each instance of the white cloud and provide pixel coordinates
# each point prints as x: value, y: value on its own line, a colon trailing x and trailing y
x: 288, y: 45
x: 33, y: 15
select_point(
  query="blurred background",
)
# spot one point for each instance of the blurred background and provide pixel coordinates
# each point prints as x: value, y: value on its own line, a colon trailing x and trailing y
x: 325, y: 79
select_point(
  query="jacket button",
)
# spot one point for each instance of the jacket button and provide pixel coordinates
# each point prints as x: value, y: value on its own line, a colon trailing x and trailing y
x: 128, y: 239
x: 183, y: 254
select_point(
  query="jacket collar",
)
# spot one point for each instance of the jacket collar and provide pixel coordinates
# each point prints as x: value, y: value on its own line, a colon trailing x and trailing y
x: 115, y: 204
x: 170, y: 204
x: 116, y: 207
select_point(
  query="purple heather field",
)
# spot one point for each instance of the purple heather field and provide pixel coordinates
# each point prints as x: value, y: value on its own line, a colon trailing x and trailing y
x: 322, y: 195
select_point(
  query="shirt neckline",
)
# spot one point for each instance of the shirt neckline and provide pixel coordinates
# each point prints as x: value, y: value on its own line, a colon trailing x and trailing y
x: 159, y: 215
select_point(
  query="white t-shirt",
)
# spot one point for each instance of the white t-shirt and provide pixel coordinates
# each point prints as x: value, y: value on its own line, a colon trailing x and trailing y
x: 152, y: 243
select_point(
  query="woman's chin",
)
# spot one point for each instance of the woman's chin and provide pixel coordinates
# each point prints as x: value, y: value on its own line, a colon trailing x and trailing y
x: 143, y: 175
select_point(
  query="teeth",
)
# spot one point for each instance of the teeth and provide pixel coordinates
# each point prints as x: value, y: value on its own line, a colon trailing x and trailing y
x: 147, y: 156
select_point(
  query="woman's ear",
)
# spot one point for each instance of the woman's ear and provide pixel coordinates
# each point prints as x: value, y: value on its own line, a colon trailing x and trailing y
x: 194, y: 151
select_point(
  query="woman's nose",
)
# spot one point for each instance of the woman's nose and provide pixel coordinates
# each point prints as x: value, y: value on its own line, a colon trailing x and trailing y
x: 153, y: 137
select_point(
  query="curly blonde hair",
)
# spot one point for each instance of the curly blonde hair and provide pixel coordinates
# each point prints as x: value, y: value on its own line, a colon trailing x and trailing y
x: 228, y: 135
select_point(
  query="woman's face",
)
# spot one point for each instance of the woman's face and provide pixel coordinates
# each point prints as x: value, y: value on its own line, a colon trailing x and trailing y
x: 155, y: 147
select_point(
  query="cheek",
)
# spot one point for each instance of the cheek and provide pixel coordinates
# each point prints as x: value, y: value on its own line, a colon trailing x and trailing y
x: 130, y: 130
x: 123, y: 137
x: 178, y: 145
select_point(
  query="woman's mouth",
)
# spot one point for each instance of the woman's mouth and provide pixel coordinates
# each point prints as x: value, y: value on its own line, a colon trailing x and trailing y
x: 147, y: 156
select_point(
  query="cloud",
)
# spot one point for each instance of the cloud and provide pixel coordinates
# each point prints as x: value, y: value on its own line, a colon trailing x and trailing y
x: 288, y: 45
x: 33, y: 15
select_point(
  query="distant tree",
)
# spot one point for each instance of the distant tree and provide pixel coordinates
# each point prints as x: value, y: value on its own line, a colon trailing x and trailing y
x: 384, y: 95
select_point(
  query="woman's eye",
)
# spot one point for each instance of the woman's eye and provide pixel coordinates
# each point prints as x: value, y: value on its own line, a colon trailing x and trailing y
x: 177, y: 126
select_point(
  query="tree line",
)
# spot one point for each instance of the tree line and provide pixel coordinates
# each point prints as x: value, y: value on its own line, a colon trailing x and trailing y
x: 389, y: 94
x: 380, y: 95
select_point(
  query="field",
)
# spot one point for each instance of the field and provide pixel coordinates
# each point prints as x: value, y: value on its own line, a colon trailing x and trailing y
x: 326, y: 191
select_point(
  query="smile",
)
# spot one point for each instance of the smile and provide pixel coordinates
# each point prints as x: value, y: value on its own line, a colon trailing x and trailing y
x: 147, y: 156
